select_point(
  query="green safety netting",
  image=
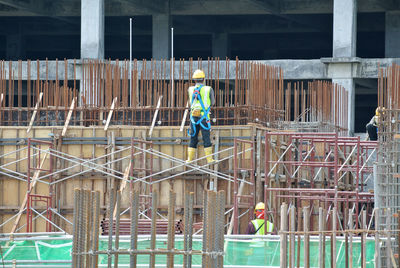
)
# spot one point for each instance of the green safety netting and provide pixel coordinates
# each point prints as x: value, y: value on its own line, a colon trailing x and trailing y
x: 241, y: 253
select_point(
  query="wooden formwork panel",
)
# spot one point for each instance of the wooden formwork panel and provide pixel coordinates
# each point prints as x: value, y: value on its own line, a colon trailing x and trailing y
x: 13, y: 191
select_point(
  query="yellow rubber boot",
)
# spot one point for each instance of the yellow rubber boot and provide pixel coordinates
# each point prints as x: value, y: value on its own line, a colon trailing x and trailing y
x: 208, y: 152
x: 191, y: 154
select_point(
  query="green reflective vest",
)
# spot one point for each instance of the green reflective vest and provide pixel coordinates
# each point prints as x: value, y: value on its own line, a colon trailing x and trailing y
x: 258, y: 222
x: 205, y: 97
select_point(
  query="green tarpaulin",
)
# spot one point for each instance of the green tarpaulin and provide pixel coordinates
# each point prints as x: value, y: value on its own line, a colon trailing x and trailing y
x: 241, y: 253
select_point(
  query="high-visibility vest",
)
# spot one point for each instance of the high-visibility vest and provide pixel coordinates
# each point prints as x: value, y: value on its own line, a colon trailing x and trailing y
x: 205, y: 97
x: 260, y: 222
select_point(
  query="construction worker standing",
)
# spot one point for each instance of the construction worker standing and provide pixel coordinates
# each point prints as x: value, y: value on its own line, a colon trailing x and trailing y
x: 257, y: 226
x: 372, y: 126
x: 201, y: 98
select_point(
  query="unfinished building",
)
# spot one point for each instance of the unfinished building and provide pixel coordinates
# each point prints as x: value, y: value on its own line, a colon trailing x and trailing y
x: 92, y: 151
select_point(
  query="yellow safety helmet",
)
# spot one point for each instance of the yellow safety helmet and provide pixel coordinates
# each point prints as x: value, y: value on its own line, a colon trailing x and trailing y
x: 198, y: 74
x: 379, y: 111
x: 260, y: 206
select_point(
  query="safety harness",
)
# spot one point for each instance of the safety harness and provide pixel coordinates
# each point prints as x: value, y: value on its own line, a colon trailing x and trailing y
x: 196, y: 96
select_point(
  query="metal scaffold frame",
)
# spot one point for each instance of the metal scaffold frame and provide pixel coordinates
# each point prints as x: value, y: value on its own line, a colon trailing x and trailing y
x: 139, y: 170
x: 318, y: 169
x: 318, y: 154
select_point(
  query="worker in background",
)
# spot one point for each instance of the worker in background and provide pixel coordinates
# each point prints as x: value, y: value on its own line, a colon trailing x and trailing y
x: 201, y: 98
x: 257, y: 226
x: 372, y: 126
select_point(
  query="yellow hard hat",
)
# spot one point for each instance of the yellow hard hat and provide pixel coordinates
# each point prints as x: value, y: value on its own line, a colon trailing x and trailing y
x: 198, y: 74
x: 377, y: 111
x: 260, y: 206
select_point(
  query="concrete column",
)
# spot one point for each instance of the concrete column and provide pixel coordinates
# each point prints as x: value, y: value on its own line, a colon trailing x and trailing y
x: 344, y: 45
x: 92, y: 29
x: 14, y: 47
x: 161, y: 36
x: 392, y: 34
x: 349, y: 85
x: 344, y: 28
x: 220, y: 45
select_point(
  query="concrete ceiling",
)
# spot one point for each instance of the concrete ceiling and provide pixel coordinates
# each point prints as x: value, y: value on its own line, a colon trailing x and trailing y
x: 71, y: 8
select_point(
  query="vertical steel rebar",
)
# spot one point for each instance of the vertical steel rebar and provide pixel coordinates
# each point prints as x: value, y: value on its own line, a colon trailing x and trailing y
x: 95, y: 228
x: 111, y: 229
x: 171, y: 229
x: 134, y: 226
x: 75, y: 228
x: 154, y: 204
x: 117, y: 220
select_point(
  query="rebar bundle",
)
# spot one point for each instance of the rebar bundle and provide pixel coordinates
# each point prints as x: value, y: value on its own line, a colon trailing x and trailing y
x: 91, y: 91
x: 387, y: 184
x: 85, y: 248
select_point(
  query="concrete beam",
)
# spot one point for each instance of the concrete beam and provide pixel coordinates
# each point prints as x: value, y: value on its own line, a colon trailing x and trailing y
x: 71, y: 8
x: 151, y: 7
x: 326, y: 7
x: 34, y: 8
x: 271, y: 6
x: 292, y: 69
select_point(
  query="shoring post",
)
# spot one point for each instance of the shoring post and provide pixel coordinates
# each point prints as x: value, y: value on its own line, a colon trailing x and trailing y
x: 81, y: 227
x: 134, y: 226
x: 252, y: 171
x: 52, y: 195
x: 28, y: 203
x: 89, y: 225
x: 358, y: 166
x: 350, y: 227
x: 398, y: 235
x: 334, y: 228
x: 266, y: 178
x: 321, y: 224
x: 95, y: 229
x: 290, y: 157
x: 219, y: 229
x: 75, y: 228
x: 84, y: 239
x: 110, y: 227
x: 171, y: 229
x: 235, y: 189
x: 258, y: 184
x: 306, y: 224
x: 292, y: 237
x: 377, y: 255
x: 188, y: 229
x: 211, y: 218
x: 346, y: 235
x: 283, y: 236
x: 154, y: 201
x: 205, y: 228
x: 336, y: 160
x: 364, y: 239
x: 388, y: 239
x: 117, y: 220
